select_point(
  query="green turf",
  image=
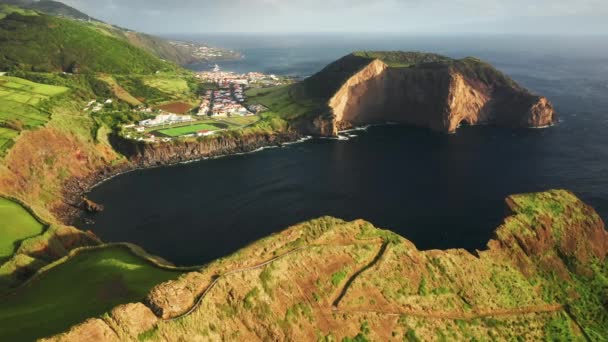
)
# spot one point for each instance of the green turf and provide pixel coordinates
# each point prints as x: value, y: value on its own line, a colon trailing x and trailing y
x: 16, y: 224
x: 88, y: 285
x: 185, y: 130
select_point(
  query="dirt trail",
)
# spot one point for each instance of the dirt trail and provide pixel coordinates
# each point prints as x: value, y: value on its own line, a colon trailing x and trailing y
x: 356, y: 274
x: 217, y: 278
x: 465, y: 316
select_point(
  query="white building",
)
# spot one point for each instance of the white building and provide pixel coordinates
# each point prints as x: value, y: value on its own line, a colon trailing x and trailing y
x: 166, y: 119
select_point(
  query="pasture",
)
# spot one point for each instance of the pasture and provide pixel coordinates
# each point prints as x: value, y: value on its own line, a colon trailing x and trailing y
x: 241, y: 120
x: 21, y: 106
x: 87, y: 285
x: 119, y: 91
x: 16, y: 224
x: 168, y: 84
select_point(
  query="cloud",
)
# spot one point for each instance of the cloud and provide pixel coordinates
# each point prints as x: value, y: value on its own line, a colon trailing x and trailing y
x: 333, y: 15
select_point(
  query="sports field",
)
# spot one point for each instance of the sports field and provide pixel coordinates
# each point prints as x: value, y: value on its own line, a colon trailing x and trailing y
x: 185, y: 130
x: 20, y: 106
x: 16, y: 224
x: 85, y: 286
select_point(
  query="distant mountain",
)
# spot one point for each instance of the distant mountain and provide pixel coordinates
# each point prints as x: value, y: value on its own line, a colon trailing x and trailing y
x: 33, y: 41
x: 178, y: 52
x: 50, y: 7
x: 59, y: 9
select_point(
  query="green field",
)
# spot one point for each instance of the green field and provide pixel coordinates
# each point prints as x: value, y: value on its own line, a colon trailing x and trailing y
x: 284, y: 100
x: 88, y: 285
x: 119, y: 91
x: 185, y: 130
x: 241, y: 120
x: 20, y: 102
x: 6, y: 138
x: 167, y: 84
x: 16, y: 224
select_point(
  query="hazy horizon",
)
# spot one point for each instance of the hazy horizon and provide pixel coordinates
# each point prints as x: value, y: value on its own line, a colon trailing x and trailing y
x: 519, y: 17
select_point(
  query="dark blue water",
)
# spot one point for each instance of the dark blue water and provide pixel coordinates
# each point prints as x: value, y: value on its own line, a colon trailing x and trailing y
x: 440, y: 191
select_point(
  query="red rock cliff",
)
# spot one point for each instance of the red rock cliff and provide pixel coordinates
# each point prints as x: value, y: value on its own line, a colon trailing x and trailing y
x: 434, y: 95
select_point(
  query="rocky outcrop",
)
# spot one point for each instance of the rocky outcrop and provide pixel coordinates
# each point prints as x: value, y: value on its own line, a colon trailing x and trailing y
x: 136, y: 318
x: 94, y: 329
x: 440, y: 96
x: 91, y: 206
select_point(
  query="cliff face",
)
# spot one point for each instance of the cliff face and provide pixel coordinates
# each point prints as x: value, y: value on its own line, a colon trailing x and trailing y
x: 542, y: 278
x: 435, y: 95
x: 147, y: 155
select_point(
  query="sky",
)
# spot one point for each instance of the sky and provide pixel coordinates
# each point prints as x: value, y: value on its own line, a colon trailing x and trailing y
x: 401, y: 16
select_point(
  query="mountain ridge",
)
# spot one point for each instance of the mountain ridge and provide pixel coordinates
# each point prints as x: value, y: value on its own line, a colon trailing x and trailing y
x: 166, y: 49
x: 319, y: 279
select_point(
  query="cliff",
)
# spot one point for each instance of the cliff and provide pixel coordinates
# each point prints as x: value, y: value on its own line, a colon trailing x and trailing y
x: 143, y: 154
x: 411, y: 88
x: 543, y: 277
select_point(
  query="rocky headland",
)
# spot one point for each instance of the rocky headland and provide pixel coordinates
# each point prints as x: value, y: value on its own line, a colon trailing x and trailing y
x: 417, y: 89
x: 544, y: 275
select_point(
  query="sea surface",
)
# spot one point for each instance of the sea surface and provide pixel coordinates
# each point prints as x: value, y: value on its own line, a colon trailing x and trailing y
x: 440, y: 191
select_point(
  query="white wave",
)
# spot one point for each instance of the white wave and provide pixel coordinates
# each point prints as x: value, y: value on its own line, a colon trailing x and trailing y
x: 306, y: 138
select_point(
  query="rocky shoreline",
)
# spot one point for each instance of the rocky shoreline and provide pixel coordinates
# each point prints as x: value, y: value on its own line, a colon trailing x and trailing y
x: 140, y: 155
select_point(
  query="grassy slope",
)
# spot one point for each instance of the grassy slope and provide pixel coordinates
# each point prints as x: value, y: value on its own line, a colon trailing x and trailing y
x: 58, y: 9
x: 161, y: 88
x: 17, y: 224
x: 119, y: 91
x: 87, y: 285
x: 46, y: 43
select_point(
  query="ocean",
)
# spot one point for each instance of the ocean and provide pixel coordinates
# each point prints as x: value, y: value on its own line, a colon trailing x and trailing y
x: 440, y: 191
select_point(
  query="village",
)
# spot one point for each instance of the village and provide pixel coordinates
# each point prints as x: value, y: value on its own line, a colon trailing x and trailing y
x: 222, y: 107
x: 206, y: 53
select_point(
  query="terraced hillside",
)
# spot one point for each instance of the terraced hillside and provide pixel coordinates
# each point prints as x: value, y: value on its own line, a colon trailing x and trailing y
x: 23, y: 106
x: 543, y: 277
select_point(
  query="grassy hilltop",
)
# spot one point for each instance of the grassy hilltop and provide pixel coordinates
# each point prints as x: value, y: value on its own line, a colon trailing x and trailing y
x: 42, y: 43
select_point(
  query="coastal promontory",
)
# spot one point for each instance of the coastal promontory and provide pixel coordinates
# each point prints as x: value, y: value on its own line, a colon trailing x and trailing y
x: 412, y: 88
